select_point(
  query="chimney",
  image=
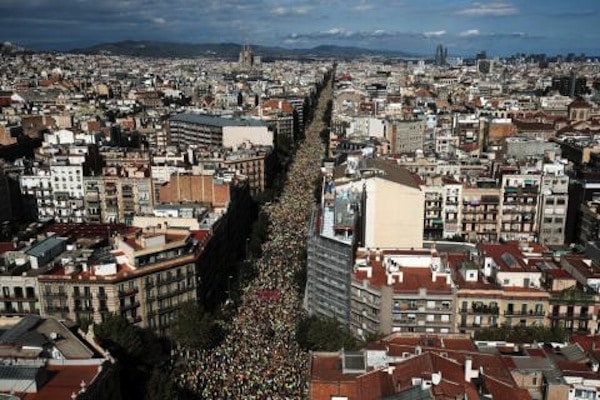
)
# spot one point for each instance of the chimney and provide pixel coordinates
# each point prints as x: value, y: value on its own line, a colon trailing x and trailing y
x: 468, y: 368
x: 390, y: 279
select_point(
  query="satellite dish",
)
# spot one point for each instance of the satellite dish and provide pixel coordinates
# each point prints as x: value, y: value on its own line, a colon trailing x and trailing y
x: 436, y: 378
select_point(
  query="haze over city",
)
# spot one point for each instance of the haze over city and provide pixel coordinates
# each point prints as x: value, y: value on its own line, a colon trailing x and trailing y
x: 465, y: 27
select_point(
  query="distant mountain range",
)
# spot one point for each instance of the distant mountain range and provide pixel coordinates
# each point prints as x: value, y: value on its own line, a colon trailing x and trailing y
x: 10, y: 48
x: 229, y: 50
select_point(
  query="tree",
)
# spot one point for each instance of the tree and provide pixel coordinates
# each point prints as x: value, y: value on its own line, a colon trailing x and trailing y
x: 324, y: 334
x: 120, y: 337
x: 138, y: 351
x: 196, y: 328
x: 372, y: 337
x: 160, y: 386
x: 260, y: 232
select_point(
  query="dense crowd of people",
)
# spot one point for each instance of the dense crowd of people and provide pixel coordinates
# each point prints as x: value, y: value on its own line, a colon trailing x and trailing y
x: 259, y: 357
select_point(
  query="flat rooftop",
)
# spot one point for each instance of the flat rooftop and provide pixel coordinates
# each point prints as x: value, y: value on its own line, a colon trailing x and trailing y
x: 213, y: 120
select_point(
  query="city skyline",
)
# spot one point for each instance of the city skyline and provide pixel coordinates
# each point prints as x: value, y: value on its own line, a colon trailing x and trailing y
x: 464, y: 27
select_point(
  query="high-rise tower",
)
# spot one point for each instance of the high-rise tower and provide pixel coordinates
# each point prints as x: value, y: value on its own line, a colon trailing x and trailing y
x: 441, y: 53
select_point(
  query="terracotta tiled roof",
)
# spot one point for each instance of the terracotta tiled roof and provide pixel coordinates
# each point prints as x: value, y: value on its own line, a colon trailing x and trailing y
x: 279, y: 104
x: 64, y: 380
x: 579, y: 103
x: 6, y: 246
x: 503, y: 391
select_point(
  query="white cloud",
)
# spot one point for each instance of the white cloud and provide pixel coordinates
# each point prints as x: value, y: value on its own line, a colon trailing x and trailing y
x: 491, y: 9
x: 159, y: 20
x: 333, y: 31
x: 283, y: 11
x: 434, y: 33
x: 470, y: 32
x: 363, y: 7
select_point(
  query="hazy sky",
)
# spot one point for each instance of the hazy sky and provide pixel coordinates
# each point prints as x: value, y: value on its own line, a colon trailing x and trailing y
x: 500, y: 27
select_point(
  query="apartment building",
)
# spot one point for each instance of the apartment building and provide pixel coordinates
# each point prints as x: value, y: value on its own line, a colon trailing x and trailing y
x: 401, y: 291
x: 38, y: 194
x: 18, y: 292
x: 405, y: 136
x: 191, y: 188
x: 255, y: 163
x: 117, y: 198
x: 571, y: 307
x: 427, y: 367
x: 515, y: 267
x: 67, y: 190
x: 589, y: 224
x: 281, y: 117
x: 554, y: 199
x: 125, y: 158
x: 442, y: 211
x: 393, y: 201
x: 520, y: 194
x: 369, y: 203
x: 480, y: 213
x: 147, y: 276
x: 333, y: 232
x: 452, y: 194
x: 478, y: 300
x: 214, y: 131
x: 469, y: 132
x: 433, y: 228
x: 499, y: 284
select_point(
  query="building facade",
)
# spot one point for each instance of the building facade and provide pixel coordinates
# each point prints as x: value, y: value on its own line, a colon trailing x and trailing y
x: 145, y: 279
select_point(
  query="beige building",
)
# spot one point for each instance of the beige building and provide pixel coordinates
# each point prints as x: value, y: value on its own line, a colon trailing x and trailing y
x: 480, y: 213
x: 405, y: 136
x: 499, y: 285
x: 401, y: 291
x: 145, y: 279
x: 117, y: 197
x: 393, y: 203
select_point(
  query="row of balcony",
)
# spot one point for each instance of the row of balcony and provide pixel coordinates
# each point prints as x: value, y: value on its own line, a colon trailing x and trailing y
x: 170, y: 293
x: 18, y: 298
x: 78, y: 296
x: 14, y: 311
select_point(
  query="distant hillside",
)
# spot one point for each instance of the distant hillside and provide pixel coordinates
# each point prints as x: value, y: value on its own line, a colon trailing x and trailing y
x: 10, y: 48
x: 226, y: 50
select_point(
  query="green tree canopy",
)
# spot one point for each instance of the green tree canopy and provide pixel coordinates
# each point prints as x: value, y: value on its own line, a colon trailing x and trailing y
x: 160, y: 386
x: 196, y: 328
x: 324, y: 334
x: 138, y: 351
